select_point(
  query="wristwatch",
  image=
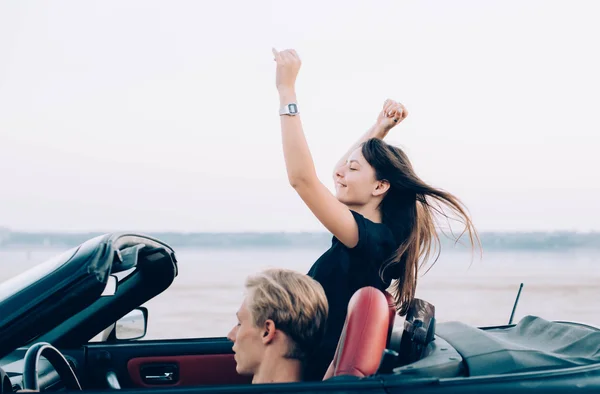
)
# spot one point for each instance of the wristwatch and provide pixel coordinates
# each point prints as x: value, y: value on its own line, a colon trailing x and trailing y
x: 290, y: 109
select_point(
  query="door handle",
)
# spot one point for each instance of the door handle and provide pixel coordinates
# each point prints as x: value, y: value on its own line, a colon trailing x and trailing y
x: 160, y: 373
x: 165, y: 377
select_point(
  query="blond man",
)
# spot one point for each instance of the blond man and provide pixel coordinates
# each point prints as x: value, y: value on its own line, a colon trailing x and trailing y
x: 280, y: 323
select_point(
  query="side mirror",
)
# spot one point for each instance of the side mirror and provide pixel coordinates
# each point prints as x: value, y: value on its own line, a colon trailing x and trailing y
x: 111, y: 286
x: 133, y: 325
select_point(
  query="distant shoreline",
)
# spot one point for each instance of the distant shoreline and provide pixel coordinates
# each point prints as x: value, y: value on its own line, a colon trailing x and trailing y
x: 551, y: 241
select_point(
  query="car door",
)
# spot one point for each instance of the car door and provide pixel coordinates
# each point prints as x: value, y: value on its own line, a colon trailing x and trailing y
x: 162, y: 363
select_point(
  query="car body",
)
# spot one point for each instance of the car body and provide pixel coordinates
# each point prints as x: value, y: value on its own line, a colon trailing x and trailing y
x: 99, y: 286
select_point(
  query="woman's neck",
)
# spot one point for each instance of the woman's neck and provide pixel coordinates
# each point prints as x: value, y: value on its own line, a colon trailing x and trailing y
x: 369, y: 212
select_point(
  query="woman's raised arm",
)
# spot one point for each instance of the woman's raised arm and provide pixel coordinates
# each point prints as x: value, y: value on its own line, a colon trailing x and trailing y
x: 334, y: 215
x: 391, y: 114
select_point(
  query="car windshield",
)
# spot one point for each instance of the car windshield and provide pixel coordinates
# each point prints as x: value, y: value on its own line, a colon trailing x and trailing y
x: 29, y: 277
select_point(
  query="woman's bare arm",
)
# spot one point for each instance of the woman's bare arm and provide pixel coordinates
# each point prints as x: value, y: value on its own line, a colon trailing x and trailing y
x: 334, y: 215
x: 391, y: 114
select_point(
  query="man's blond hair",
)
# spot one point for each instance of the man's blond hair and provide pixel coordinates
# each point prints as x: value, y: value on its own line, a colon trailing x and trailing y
x: 295, y: 302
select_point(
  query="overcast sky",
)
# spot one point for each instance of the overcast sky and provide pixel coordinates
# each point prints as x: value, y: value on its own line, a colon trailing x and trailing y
x: 148, y: 115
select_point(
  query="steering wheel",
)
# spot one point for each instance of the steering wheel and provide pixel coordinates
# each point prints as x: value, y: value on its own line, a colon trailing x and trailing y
x: 56, y: 359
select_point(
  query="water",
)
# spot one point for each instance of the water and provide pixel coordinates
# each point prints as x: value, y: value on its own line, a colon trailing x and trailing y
x: 203, y: 299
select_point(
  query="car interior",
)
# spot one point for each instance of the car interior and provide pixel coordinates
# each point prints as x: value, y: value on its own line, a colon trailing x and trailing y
x: 374, y: 341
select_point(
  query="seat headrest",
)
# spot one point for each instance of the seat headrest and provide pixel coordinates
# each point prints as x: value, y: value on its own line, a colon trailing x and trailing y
x: 364, y: 336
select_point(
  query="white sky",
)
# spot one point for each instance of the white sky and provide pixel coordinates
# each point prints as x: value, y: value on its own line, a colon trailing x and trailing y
x: 148, y: 115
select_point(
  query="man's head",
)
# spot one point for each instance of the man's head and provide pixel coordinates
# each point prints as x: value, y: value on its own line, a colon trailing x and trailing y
x: 282, y: 317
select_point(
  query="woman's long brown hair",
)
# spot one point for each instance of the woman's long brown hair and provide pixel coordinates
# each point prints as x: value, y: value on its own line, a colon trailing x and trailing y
x: 409, y: 209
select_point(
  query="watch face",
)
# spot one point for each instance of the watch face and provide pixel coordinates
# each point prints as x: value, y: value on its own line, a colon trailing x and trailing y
x: 293, y: 108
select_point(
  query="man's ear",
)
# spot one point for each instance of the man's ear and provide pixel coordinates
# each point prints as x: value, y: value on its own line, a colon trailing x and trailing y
x: 381, y: 187
x: 268, y: 331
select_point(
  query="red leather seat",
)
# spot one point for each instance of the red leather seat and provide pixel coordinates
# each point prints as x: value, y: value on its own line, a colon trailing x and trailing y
x: 365, y: 335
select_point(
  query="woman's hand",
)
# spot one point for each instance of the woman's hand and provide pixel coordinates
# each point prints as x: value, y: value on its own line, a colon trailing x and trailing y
x: 288, y: 65
x: 391, y: 114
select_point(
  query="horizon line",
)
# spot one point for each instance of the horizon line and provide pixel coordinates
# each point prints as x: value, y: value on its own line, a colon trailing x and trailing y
x: 237, y: 232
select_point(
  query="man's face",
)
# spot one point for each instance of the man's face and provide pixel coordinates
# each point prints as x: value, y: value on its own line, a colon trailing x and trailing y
x: 247, y: 341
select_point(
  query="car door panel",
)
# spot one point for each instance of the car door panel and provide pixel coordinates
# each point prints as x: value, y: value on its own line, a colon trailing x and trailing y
x: 188, y: 370
x: 182, y: 362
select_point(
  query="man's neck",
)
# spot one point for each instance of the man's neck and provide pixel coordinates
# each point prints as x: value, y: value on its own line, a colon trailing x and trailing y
x: 282, y: 370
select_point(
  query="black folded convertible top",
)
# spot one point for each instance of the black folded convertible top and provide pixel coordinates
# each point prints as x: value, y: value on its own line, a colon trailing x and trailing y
x: 38, y: 300
x: 533, y: 344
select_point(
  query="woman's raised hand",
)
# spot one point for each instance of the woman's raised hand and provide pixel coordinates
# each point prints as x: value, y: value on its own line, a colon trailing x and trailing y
x: 392, y: 113
x: 288, y: 66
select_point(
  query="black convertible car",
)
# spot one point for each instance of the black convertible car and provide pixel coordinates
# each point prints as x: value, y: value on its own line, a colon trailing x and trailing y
x: 49, y: 314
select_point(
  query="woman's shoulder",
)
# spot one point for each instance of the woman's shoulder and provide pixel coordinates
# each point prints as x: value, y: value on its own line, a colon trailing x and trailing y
x: 370, y: 225
x: 372, y: 234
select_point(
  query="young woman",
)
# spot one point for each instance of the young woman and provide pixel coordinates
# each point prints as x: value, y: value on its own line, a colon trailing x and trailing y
x: 381, y: 218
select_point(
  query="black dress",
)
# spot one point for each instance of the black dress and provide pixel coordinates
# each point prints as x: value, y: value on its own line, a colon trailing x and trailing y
x: 342, y: 271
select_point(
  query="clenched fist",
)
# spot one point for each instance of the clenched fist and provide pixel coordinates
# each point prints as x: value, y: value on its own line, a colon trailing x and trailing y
x: 288, y: 65
x: 391, y: 114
